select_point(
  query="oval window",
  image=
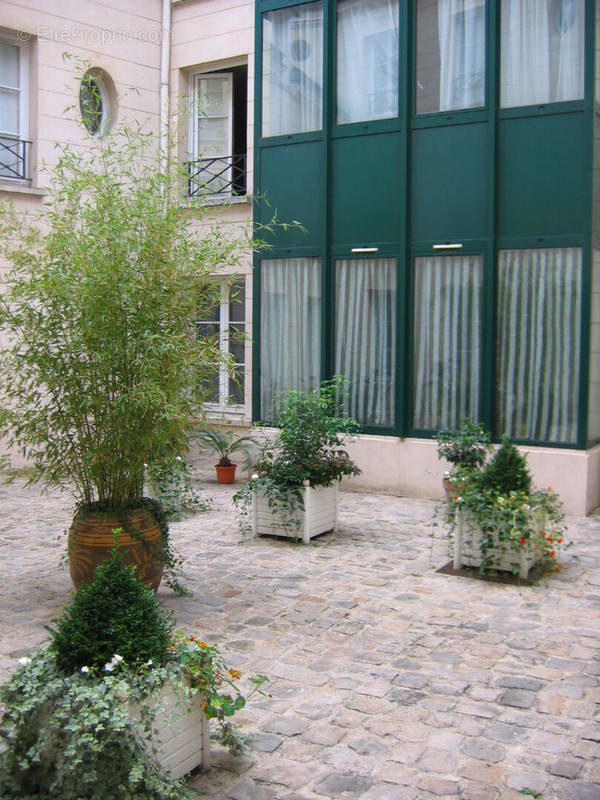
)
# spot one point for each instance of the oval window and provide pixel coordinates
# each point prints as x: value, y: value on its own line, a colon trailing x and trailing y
x: 97, y: 101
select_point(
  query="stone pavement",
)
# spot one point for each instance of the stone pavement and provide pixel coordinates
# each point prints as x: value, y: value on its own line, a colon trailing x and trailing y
x: 389, y: 681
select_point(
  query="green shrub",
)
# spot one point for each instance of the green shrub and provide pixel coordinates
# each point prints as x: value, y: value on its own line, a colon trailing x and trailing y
x: 115, y: 615
x: 507, y: 471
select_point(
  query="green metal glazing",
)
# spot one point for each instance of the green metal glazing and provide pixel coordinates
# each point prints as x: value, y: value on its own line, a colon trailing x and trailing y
x: 486, y: 178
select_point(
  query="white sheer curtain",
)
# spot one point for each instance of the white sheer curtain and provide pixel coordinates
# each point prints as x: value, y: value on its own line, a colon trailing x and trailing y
x: 365, y: 336
x: 447, y: 340
x: 367, y: 59
x: 461, y: 26
x: 539, y: 314
x: 542, y: 51
x: 292, y: 72
x: 290, y: 327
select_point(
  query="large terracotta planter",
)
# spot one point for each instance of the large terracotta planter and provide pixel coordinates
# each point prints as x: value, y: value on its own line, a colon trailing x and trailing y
x: 91, y: 540
x: 225, y: 474
x: 318, y: 515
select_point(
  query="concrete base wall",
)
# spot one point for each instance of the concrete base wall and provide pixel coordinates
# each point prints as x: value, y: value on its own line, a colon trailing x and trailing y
x: 411, y: 467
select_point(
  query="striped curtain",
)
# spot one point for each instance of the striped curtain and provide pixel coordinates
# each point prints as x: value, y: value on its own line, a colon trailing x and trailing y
x: 290, y: 328
x: 365, y: 336
x: 539, y: 316
x: 447, y: 340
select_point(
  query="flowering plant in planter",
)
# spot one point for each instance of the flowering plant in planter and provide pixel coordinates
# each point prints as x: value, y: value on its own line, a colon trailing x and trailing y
x: 80, y: 716
x: 308, y: 450
x: 500, y: 517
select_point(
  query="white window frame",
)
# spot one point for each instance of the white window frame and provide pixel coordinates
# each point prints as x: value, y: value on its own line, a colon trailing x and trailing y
x: 22, y: 91
x: 195, y: 149
x: 225, y: 289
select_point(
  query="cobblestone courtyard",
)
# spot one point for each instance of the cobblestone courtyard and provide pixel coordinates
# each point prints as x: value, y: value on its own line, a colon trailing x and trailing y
x: 389, y: 680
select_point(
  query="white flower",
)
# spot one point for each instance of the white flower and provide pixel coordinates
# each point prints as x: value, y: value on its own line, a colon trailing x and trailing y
x: 145, y: 466
x: 116, y: 659
x: 24, y: 662
x: 85, y: 670
x: 178, y: 458
x: 149, y: 663
x: 109, y: 667
x: 255, y: 477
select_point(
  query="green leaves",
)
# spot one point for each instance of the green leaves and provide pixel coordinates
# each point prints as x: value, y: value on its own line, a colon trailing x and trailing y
x: 103, y: 372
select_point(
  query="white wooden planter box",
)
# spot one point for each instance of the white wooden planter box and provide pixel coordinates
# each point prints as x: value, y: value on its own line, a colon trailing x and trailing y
x: 180, y: 732
x: 467, y: 550
x: 318, y: 515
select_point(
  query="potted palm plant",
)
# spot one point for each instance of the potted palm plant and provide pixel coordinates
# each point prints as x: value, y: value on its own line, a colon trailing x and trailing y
x: 224, y: 442
x: 101, y: 375
x: 294, y: 490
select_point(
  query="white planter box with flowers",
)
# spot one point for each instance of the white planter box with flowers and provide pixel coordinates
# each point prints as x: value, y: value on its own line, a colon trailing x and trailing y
x: 516, y: 557
x: 319, y: 515
x: 180, y: 732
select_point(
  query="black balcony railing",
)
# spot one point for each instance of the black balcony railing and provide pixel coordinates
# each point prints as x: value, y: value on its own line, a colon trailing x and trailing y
x: 14, y: 157
x: 224, y: 176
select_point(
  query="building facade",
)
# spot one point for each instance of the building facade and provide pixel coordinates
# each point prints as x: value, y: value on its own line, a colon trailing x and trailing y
x: 441, y: 157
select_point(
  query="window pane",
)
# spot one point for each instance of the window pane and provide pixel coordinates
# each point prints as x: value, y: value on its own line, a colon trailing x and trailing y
x: 365, y: 337
x: 447, y: 341
x: 290, y: 329
x: 539, y: 314
x: 367, y: 59
x: 450, y: 55
x: 9, y: 65
x: 542, y: 50
x: 292, y: 71
x: 236, y: 387
x: 237, y: 305
x: 237, y: 343
x: 9, y: 112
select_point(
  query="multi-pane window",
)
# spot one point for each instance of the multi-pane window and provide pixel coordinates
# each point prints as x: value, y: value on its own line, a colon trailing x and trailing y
x: 538, y: 341
x: 365, y: 337
x: 218, y: 133
x: 367, y: 60
x: 292, y: 71
x: 446, y: 340
x: 225, y: 322
x: 541, y: 51
x: 290, y: 328
x: 13, y: 109
x: 450, y: 55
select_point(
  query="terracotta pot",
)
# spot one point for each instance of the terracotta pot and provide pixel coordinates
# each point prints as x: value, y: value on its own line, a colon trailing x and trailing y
x: 449, y: 488
x: 91, y: 541
x: 225, y: 474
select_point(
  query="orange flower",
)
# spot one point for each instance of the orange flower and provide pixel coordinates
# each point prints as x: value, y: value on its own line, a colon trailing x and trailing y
x: 559, y: 541
x: 192, y: 637
x: 455, y: 498
x: 203, y: 644
x: 552, y: 554
x: 543, y: 534
x: 235, y: 674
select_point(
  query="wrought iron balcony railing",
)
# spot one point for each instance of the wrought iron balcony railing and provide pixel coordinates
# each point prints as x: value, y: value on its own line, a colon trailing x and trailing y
x: 14, y: 158
x: 223, y: 176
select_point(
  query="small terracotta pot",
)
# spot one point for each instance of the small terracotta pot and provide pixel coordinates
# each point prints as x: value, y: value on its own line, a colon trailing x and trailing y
x: 449, y: 487
x: 225, y: 474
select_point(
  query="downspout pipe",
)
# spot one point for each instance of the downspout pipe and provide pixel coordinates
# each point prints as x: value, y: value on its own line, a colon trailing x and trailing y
x: 165, y: 57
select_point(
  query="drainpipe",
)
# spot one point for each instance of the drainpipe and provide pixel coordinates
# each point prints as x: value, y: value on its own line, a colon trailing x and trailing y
x: 165, y: 55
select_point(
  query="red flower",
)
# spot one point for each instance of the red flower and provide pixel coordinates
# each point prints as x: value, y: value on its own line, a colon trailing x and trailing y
x: 522, y: 540
x: 552, y: 554
x: 559, y: 541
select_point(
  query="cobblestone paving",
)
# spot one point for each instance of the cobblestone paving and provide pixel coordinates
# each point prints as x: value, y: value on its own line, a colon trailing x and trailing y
x: 389, y: 681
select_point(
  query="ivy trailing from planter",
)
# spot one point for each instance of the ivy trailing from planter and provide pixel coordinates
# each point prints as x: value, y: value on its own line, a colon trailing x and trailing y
x: 497, y: 499
x: 309, y: 448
